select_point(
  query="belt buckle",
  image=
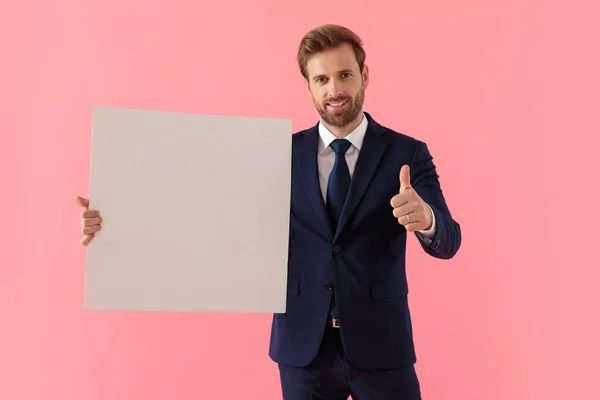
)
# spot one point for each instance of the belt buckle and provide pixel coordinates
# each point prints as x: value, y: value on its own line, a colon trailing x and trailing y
x: 335, y: 322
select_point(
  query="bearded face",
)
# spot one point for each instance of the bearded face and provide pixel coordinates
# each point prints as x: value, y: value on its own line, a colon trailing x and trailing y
x: 337, y: 86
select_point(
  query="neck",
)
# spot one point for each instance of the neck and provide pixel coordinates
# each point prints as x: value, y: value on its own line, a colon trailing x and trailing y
x: 343, y: 131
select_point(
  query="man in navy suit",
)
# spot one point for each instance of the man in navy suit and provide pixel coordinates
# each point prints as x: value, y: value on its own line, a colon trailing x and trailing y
x: 358, y: 188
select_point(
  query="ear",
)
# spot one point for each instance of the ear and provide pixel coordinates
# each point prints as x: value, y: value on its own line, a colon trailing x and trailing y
x: 307, y: 87
x: 365, y: 75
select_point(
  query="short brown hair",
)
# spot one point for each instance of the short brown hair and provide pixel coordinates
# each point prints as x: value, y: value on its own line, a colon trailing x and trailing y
x: 327, y: 37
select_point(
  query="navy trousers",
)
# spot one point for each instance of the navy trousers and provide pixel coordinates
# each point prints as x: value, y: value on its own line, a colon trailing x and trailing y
x: 332, y: 377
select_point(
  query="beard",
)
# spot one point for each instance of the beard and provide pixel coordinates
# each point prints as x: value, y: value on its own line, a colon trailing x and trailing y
x: 342, y: 118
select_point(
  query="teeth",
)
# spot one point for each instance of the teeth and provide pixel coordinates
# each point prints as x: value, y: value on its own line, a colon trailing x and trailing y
x: 337, y: 104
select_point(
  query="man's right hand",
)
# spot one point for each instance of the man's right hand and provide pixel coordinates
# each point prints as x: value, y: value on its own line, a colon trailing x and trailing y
x: 91, y: 221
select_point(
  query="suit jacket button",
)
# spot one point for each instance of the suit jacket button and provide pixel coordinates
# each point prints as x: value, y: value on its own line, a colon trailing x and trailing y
x: 328, y: 285
x: 337, y: 248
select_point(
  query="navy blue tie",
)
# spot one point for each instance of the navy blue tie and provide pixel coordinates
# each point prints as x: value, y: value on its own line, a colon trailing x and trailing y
x: 339, y: 180
x: 337, y: 189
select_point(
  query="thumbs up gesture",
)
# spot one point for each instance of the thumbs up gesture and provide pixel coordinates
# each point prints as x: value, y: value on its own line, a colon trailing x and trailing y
x: 408, y: 207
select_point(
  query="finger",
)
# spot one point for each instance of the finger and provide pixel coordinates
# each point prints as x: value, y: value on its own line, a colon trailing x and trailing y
x: 85, y: 213
x: 408, y: 208
x: 409, y: 219
x: 412, y: 221
x: 82, y: 201
x: 91, y: 221
x: 404, y: 178
x: 86, y: 230
x: 399, y: 200
x: 86, y: 239
x: 413, y: 226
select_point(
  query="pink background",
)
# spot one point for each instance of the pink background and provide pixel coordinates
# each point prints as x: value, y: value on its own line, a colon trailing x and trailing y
x: 504, y: 92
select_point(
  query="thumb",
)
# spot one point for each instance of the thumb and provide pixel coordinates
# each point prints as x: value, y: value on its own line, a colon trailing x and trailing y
x: 82, y: 201
x: 404, y: 178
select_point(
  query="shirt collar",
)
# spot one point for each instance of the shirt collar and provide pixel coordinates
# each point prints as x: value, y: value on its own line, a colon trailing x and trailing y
x: 355, y: 137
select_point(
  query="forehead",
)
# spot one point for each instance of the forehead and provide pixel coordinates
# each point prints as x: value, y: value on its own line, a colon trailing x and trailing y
x: 332, y: 61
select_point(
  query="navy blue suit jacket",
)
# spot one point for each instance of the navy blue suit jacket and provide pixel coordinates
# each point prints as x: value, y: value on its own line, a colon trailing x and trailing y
x: 362, y: 262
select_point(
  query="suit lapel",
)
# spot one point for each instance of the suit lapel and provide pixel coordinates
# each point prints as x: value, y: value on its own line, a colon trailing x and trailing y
x: 306, y: 155
x: 370, y: 154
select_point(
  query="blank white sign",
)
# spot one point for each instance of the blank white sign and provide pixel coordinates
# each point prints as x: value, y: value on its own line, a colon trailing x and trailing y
x: 196, y: 212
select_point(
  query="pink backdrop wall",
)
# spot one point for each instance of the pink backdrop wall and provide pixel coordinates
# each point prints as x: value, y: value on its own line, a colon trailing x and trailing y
x: 505, y: 94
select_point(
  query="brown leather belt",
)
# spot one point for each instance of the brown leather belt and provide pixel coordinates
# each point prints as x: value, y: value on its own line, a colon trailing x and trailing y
x: 333, y: 322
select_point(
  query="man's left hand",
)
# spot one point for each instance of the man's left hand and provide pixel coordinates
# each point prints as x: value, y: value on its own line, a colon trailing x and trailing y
x: 409, y: 208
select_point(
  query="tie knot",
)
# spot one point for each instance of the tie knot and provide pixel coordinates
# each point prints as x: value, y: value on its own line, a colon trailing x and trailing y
x: 340, y: 146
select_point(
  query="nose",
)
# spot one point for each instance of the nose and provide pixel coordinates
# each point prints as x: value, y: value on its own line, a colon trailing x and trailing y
x: 334, y: 88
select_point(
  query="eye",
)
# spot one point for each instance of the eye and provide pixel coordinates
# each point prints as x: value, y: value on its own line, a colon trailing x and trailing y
x: 346, y: 74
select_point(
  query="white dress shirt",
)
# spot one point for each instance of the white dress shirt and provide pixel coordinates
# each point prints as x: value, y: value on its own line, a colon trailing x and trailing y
x: 326, y: 159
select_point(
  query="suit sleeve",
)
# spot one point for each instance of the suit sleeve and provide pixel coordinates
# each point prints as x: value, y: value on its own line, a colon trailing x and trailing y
x: 424, y: 179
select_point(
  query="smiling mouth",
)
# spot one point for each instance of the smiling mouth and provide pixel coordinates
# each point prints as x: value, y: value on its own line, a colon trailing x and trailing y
x: 337, y: 105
